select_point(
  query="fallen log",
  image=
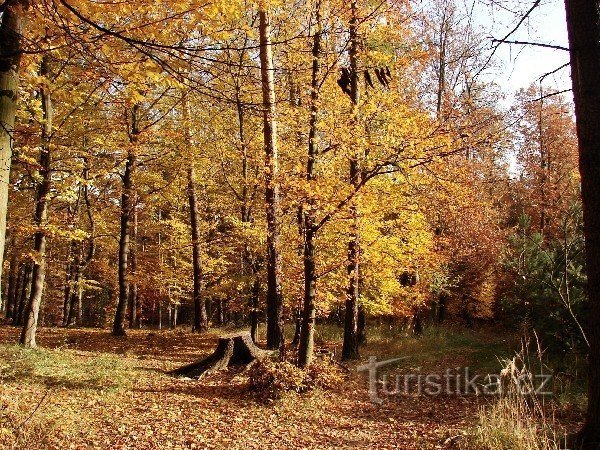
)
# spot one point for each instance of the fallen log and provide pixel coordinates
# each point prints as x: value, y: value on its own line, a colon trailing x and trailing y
x: 236, y: 349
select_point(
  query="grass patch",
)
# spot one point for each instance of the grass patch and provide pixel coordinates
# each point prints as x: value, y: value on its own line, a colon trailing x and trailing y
x: 64, y: 368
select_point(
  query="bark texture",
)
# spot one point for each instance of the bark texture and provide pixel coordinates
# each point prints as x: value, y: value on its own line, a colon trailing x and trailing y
x: 350, y: 345
x: 274, y: 292
x: 307, y: 329
x: 40, y: 218
x: 10, y: 58
x: 583, y: 23
x: 236, y: 349
x: 127, y: 203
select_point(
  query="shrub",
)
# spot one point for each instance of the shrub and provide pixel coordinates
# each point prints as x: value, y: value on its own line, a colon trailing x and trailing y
x: 271, y: 380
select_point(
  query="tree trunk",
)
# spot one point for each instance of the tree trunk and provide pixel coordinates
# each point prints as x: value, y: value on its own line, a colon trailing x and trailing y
x: 126, y: 209
x: 307, y: 331
x: 68, y: 283
x: 6, y: 285
x: 133, y: 287
x: 583, y: 23
x: 41, y: 216
x: 274, y: 294
x: 200, y: 315
x: 220, y: 312
x: 350, y: 345
x: 362, y: 324
x: 80, y: 263
x: 255, y: 305
x: 11, y: 298
x: 200, y: 324
x: 250, y: 265
x: 24, y: 287
x: 10, y: 58
x: 232, y: 350
x: 74, y: 287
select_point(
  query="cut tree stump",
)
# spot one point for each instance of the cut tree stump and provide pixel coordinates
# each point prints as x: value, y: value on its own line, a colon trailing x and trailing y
x: 236, y: 349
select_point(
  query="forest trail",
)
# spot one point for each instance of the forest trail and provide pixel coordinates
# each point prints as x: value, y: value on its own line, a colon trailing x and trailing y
x: 87, y: 390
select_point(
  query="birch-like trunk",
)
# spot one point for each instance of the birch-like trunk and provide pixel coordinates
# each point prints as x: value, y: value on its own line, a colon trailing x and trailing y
x: 10, y: 58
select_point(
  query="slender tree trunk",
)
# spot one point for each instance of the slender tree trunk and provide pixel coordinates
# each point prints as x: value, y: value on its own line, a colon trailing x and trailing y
x: 133, y: 287
x: 126, y: 210
x: 583, y: 23
x: 10, y: 58
x: 350, y: 345
x: 74, y: 287
x: 22, y: 293
x: 220, y: 312
x: 255, y: 305
x: 275, y: 337
x: 41, y: 216
x: 200, y: 315
x: 250, y: 267
x: 11, y: 299
x: 200, y: 324
x: 160, y: 315
x: 68, y: 283
x: 362, y: 325
x: 80, y: 263
x: 307, y: 331
x: 6, y: 285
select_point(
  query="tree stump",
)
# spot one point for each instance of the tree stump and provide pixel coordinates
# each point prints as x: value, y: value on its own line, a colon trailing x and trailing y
x: 236, y: 349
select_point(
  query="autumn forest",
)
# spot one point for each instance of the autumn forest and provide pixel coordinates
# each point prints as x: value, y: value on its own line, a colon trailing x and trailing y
x: 217, y: 216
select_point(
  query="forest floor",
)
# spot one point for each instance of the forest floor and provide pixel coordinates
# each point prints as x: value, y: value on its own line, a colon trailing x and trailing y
x: 84, y: 389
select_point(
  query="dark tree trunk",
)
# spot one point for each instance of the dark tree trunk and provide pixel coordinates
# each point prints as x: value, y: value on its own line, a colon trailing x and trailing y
x: 21, y: 294
x: 362, y: 324
x: 200, y: 315
x: 13, y: 275
x: 417, y: 325
x: 309, y: 226
x: 583, y: 23
x: 350, y: 345
x: 40, y: 218
x: 133, y: 287
x: 68, y: 283
x: 441, y: 308
x: 274, y: 294
x: 124, y: 238
x: 74, y: 287
x: 200, y: 324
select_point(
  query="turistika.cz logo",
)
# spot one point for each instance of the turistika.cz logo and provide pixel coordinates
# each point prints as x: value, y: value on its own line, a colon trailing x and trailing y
x: 453, y: 381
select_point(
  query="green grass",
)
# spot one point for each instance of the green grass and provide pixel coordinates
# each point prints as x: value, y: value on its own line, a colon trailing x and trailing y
x: 63, y: 368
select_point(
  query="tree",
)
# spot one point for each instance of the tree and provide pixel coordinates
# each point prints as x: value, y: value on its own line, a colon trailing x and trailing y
x: 309, y: 219
x: 350, y: 346
x: 583, y: 24
x: 274, y: 293
x: 11, y: 30
x: 41, y: 211
x: 200, y: 317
